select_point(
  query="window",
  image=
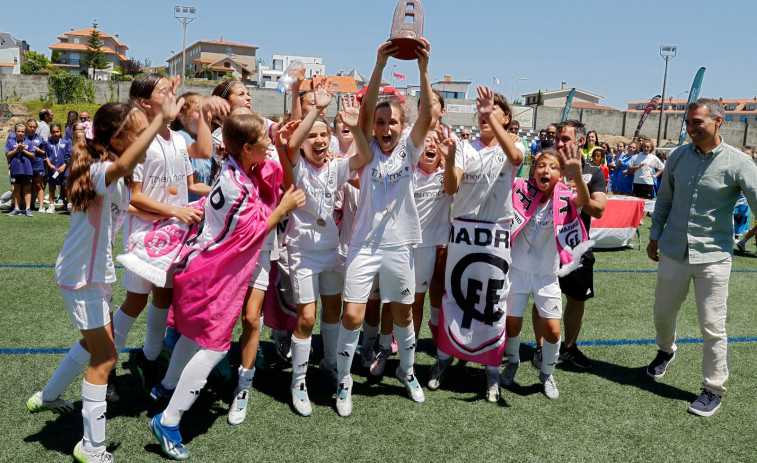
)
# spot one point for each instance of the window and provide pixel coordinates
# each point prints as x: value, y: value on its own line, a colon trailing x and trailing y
x: 731, y: 107
x: 729, y: 118
x: 227, y: 64
x: 638, y: 106
x: 228, y: 51
x: 750, y: 107
x: 742, y: 119
x: 681, y: 107
x: 278, y: 65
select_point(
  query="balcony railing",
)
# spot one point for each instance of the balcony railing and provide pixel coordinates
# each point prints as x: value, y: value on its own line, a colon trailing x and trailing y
x: 67, y: 62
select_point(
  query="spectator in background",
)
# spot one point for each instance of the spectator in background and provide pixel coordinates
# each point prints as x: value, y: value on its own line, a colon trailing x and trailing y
x: 38, y: 147
x: 515, y: 130
x: 537, y: 143
x: 71, y: 119
x: 465, y: 134
x: 549, y: 140
x: 598, y: 160
x: 58, y: 158
x: 642, y: 167
x: 87, y: 122
x: 592, y: 143
x: 43, y: 124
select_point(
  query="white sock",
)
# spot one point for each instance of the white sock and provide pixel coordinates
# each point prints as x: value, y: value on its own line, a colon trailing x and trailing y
x: 300, y: 357
x: 193, y: 379
x: 157, y: 318
x: 434, y: 317
x: 245, y: 379
x: 72, y: 364
x: 122, y: 324
x: 406, y: 345
x: 345, y: 350
x: 329, y: 334
x: 512, y: 348
x: 549, y: 355
x: 370, y: 334
x: 385, y: 341
x: 442, y: 356
x: 183, y: 352
x: 93, y: 414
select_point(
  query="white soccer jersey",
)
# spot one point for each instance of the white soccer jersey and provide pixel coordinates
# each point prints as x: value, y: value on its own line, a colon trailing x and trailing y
x: 648, y: 163
x: 535, y: 248
x: 486, y: 185
x: 350, y: 201
x: 433, y: 205
x: 86, y: 256
x: 312, y: 226
x: 387, y: 215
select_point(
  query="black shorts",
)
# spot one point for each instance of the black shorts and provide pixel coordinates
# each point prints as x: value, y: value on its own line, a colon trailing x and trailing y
x: 39, y: 173
x: 21, y: 179
x: 579, y: 284
x: 643, y: 191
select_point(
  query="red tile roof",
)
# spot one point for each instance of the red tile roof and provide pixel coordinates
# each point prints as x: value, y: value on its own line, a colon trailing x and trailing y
x: 82, y: 47
x: 343, y: 84
x: 87, y: 32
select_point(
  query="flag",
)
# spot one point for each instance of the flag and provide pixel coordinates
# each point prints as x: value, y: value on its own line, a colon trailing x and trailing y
x: 495, y: 80
x: 650, y: 107
x: 447, y: 79
x: 399, y: 76
x: 568, y: 102
x: 696, y: 86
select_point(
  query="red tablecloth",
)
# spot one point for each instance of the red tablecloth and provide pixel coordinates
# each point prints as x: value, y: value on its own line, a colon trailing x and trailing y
x: 618, y: 224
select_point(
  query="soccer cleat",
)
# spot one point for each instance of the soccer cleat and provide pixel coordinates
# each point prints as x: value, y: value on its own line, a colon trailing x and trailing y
x: 284, y: 348
x: 437, y: 372
x: 83, y: 456
x: 659, y: 365
x: 412, y: 386
x: 169, y: 439
x: 344, y: 398
x: 111, y: 393
x: 238, y: 409
x: 507, y: 377
x: 330, y: 373
x: 148, y: 371
x: 14, y: 212
x: 741, y: 246
x: 550, y: 386
x: 161, y: 393
x: 300, y: 399
x: 35, y: 404
x: 573, y: 355
x: 492, y: 385
x: 50, y: 209
x: 29, y: 213
x: 707, y: 403
x: 536, y: 361
x: 379, y: 362
x: 260, y: 359
x: 59, y: 202
x: 366, y: 355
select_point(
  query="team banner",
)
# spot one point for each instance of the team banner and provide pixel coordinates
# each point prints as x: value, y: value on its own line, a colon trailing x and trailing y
x: 472, y: 319
x: 568, y: 103
x: 696, y: 87
x: 650, y: 107
x: 279, y: 310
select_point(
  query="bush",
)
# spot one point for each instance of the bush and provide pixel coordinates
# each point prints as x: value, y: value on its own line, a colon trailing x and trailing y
x: 69, y: 88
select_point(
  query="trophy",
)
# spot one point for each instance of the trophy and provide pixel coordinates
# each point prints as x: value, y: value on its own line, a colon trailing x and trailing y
x: 407, y: 28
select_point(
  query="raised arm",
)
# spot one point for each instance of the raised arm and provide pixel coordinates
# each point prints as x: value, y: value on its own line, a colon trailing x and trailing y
x: 370, y: 98
x: 299, y: 76
x: 449, y: 147
x: 420, y: 129
x: 350, y: 115
x: 281, y: 141
x: 322, y: 95
x: 573, y: 170
x: 203, y: 147
x: 485, y: 104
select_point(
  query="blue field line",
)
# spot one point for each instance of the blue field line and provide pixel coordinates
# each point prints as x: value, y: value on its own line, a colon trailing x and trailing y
x: 611, y: 342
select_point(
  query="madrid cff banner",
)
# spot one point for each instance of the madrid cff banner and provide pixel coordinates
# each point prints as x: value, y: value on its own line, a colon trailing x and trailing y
x: 568, y: 102
x: 696, y: 86
x: 650, y: 107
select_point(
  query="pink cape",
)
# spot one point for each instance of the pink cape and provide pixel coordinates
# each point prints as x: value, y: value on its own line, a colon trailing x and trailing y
x: 211, y: 282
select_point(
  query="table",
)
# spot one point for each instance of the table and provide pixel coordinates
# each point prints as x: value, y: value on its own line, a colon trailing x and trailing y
x: 619, y: 223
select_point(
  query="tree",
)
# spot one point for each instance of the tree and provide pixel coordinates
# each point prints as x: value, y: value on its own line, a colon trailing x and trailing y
x: 206, y: 72
x: 55, y: 56
x: 131, y: 67
x: 35, y: 63
x: 94, y: 58
x: 539, y: 101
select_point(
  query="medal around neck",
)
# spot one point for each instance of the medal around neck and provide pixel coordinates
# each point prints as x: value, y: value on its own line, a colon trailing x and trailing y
x: 321, y: 222
x: 173, y: 190
x: 407, y: 28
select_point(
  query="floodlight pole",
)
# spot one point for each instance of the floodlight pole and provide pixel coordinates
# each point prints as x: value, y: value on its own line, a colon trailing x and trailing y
x: 667, y: 52
x: 185, y: 15
x: 512, y: 87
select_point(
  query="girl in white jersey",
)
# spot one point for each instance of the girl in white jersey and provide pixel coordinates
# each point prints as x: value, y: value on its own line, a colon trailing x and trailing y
x: 481, y: 172
x: 161, y: 186
x: 386, y: 227
x: 312, y: 239
x: 84, y: 271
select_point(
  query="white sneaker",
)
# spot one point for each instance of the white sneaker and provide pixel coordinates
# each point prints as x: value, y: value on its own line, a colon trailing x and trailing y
x: 379, y: 363
x: 238, y: 410
x: 550, y: 386
x: 507, y: 377
x: 41, y: 209
x: 344, y: 398
x: 492, y: 385
x: 412, y: 386
x: 300, y: 399
x: 50, y: 209
x: 437, y: 372
x: 83, y: 456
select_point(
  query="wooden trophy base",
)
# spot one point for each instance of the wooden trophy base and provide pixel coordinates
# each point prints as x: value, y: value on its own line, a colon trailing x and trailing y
x: 406, y: 47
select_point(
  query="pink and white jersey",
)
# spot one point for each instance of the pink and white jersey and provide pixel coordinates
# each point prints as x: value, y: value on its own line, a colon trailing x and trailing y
x: 387, y: 215
x: 87, y: 254
x: 312, y: 226
x: 534, y: 249
x: 434, y: 207
x: 485, y: 189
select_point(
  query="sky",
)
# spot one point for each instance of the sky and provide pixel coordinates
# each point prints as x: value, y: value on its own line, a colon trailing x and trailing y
x: 607, y: 47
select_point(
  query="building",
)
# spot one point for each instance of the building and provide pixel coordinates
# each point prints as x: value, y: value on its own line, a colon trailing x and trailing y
x: 449, y: 89
x: 214, y: 59
x: 557, y: 98
x: 268, y: 76
x: 736, y: 110
x: 12, y: 53
x: 340, y: 84
x: 73, y: 52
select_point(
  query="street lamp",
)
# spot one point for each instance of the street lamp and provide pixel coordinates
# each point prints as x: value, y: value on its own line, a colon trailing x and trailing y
x: 512, y: 87
x: 667, y: 52
x: 185, y: 15
x: 679, y: 97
